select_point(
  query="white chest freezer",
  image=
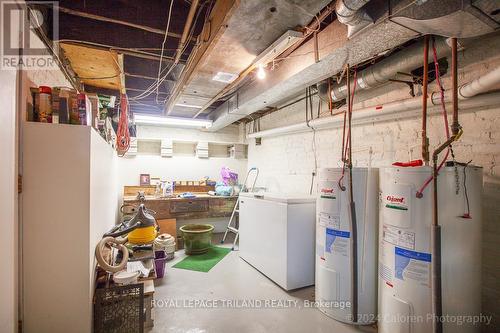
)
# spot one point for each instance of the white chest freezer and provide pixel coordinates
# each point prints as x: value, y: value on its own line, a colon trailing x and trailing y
x: 277, y: 236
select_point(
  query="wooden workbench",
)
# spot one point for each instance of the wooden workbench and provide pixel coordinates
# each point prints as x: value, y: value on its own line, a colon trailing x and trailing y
x: 203, y: 206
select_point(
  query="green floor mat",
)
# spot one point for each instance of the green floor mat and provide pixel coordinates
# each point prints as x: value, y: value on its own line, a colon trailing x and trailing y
x: 203, y: 262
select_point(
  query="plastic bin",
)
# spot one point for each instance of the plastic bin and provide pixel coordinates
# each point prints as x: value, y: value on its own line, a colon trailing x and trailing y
x: 160, y: 260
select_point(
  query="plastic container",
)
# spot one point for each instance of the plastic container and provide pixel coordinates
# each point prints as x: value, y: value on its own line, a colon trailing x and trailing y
x: 45, y: 106
x: 160, y: 260
x: 124, y: 277
x: 166, y: 243
x: 197, y: 237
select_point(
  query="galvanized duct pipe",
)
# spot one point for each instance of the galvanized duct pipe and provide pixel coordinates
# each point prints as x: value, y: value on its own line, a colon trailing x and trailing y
x: 409, y: 108
x: 472, y: 90
x: 403, y: 61
x: 349, y: 12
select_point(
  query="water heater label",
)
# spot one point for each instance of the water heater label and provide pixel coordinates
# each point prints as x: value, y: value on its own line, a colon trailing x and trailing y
x: 399, y: 237
x: 337, y: 242
x: 329, y: 221
x: 412, y: 265
x: 399, y: 202
x: 328, y: 193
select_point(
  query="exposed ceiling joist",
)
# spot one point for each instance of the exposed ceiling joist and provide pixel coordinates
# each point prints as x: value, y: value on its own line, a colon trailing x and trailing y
x: 115, y: 21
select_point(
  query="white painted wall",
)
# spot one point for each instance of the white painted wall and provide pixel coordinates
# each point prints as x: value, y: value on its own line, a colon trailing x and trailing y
x: 286, y: 162
x: 103, y: 192
x: 8, y: 202
x: 183, y: 165
x: 69, y: 198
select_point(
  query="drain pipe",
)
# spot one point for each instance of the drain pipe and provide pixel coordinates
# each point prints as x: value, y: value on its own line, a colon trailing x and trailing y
x: 437, y: 303
x: 349, y: 12
x: 425, y: 139
x: 479, y: 85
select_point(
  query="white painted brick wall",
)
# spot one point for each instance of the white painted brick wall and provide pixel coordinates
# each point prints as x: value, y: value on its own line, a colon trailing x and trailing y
x: 286, y: 162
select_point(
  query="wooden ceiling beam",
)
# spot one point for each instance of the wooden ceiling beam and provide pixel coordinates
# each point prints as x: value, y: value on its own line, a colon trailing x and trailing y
x: 115, y: 21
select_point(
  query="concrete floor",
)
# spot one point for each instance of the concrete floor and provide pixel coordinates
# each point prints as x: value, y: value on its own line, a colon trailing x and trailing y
x: 234, y: 279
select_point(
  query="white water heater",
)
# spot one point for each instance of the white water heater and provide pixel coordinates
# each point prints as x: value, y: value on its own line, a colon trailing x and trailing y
x: 334, y: 241
x: 405, y: 248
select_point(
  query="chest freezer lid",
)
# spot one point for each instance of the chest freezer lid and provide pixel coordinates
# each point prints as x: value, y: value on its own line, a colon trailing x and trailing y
x: 288, y: 198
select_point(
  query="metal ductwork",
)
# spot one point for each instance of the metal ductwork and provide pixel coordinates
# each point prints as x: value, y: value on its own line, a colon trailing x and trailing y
x: 450, y: 18
x: 404, y: 61
x: 350, y: 13
x: 301, y: 69
x: 473, y: 95
x: 405, y: 109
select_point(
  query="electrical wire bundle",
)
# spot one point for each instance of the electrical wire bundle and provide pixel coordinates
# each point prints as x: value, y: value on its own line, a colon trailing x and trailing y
x: 163, y: 73
x: 123, y: 135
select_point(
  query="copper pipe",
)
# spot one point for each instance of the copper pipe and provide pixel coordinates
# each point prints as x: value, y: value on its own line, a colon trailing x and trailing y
x: 455, y: 126
x: 354, y: 233
x: 185, y: 32
x: 425, y: 139
x: 437, y: 304
x: 316, y: 47
x: 312, y: 26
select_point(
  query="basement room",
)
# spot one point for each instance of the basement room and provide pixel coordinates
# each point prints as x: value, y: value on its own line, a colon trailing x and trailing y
x: 211, y: 166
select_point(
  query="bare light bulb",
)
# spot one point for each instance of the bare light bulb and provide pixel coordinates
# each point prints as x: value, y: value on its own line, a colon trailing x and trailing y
x: 261, y: 73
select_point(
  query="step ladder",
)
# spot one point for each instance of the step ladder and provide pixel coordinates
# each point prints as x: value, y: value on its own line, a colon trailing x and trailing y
x: 231, y: 226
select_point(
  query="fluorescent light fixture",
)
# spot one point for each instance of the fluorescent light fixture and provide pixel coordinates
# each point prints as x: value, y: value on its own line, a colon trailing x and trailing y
x: 261, y: 73
x: 225, y: 77
x: 278, y: 47
x: 189, y: 106
x: 174, y: 121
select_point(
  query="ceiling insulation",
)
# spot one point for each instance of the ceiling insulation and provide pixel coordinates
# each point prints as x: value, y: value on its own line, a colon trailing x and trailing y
x: 250, y: 28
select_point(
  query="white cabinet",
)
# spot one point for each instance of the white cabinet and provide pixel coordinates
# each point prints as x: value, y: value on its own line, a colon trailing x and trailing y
x: 277, y: 234
x: 69, y: 200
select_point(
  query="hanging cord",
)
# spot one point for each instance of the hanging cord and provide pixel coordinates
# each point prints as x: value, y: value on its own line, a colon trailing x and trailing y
x: 309, y: 111
x: 467, y: 214
x: 420, y: 192
x: 330, y: 96
x: 310, y: 103
x: 307, y: 107
x: 347, y: 144
x: 123, y: 135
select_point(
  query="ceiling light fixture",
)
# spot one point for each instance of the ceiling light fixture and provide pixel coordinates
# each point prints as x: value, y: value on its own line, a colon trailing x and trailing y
x: 188, y: 106
x: 279, y: 46
x: 261, y: 73
x: 174, y: 121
